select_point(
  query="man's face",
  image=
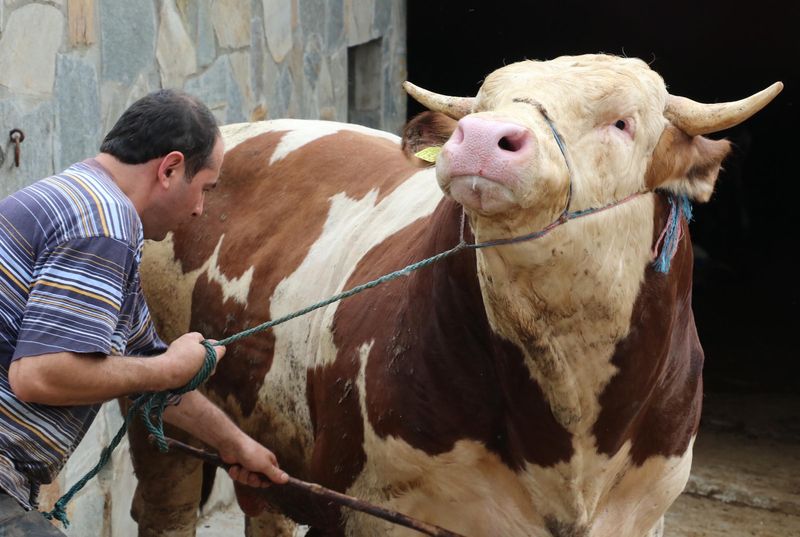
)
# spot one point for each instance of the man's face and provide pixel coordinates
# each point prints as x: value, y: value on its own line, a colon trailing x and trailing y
x: 191, y: 195
x: 184, y: 199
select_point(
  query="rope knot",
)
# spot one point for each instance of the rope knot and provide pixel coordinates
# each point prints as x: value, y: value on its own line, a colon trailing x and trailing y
x: 58, y: 513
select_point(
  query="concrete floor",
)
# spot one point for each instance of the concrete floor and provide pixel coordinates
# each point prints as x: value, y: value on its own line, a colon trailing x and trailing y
x: 746, y: 473
x: 745, y: 478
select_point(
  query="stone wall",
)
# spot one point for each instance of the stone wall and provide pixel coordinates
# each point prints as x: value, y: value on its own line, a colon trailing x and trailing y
x: 68, y: 68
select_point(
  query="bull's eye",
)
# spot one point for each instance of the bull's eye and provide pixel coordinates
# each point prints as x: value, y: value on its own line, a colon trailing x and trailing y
x: 620, y: 124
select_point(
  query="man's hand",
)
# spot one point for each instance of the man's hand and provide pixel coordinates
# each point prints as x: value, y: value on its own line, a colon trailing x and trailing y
x: 183, y: 359
x: 249, y: 459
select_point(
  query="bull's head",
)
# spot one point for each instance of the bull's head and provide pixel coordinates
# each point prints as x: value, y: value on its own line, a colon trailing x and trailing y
x: 622, y: 133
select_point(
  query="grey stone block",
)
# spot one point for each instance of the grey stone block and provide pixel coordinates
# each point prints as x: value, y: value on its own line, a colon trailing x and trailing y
x: 127, y: 39
x: 257, y: 56
x: 217, y: 87
x: 205, y: 41
x: 77, y: 118
x: 280, y: 98
x: 334, y: 25
x: 312, y: 16
x: 312, y: 59
x: 383, y: 16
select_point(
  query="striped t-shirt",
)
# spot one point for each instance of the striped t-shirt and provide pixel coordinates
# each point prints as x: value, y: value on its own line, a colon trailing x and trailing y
x: 70, y: 247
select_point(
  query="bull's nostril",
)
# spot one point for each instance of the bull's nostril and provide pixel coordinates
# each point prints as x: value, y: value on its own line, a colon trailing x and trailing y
x: 512, y: 142
x: 506, y: 144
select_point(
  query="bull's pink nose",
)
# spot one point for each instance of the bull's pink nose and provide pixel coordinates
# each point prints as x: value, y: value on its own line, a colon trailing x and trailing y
x: 488, y: 148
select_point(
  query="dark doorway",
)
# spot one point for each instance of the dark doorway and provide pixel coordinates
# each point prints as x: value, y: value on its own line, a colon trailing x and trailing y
x: 747, y: 295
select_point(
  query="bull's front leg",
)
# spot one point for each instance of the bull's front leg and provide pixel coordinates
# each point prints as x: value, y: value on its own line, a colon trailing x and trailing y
x: 658, y: 529
x: 269, y: 524
x: 168, y: 489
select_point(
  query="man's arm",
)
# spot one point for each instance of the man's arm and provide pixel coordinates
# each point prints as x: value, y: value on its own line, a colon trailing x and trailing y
x: 67, y: 378
x: 201, y: 418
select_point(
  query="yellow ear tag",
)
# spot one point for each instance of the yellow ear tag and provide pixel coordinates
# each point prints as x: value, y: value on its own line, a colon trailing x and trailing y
x: 429, y: 154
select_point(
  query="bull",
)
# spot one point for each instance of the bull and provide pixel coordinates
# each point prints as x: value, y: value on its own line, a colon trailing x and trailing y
x: 548, y: 387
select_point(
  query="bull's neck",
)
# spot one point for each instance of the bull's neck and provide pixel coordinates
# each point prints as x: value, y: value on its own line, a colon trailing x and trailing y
x: 566, y: 300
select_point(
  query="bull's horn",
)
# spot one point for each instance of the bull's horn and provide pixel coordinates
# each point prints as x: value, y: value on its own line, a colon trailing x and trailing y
x: 697, y: 118
x: 455, y: 107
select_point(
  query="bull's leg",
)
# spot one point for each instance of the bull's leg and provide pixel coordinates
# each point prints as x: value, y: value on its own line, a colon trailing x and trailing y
x: 168, y: 490
x: 658, y: 529
x: 269, y: 524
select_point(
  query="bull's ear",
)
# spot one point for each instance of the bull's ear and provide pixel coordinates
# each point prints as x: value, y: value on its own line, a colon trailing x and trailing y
x: 687, y: 165
x: 428, y: 129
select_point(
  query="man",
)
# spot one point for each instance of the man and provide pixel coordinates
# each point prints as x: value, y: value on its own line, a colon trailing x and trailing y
x: 75, y: 330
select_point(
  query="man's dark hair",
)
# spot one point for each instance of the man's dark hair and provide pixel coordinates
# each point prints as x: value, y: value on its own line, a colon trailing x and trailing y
x: 160, y: 122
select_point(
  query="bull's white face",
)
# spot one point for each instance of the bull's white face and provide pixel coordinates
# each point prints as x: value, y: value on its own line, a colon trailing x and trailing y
x: 504, y: 165
x: 503, y: 161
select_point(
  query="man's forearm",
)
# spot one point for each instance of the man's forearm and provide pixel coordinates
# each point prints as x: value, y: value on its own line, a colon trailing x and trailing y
x: 204, y: 420
x: 250, y: 461
x: 66, y: 378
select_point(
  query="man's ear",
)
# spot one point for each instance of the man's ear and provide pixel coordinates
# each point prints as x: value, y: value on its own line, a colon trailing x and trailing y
x: 172, y: 166
x: 687, y: 165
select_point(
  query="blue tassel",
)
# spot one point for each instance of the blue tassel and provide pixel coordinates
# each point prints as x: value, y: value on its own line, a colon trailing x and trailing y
x: 680, y: 206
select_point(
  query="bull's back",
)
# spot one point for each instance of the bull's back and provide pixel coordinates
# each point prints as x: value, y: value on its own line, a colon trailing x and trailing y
x: 298, y: 205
